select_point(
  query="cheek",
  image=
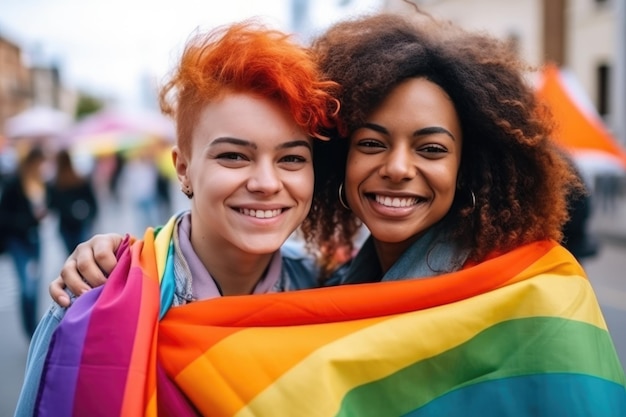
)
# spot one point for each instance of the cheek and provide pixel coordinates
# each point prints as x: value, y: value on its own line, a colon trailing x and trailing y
x: 302, y: 184
x: 211, y: 182
x: 444, y: 182
x: 355, y: 169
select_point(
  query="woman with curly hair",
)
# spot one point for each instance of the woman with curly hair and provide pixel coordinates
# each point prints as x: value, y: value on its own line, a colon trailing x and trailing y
x: 446, y: 158
x: 506, y: 182
x: 248, y: 102
x: 464, y: 302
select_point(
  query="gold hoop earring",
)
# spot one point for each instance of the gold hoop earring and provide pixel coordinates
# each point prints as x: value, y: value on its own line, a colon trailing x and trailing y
x: 341, y: 200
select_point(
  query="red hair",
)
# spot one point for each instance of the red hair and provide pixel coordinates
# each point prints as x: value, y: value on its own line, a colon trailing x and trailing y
x: 246, y: 57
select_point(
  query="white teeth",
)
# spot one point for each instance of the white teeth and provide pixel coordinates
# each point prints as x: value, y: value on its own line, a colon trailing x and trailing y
x: 396, y: 201
x: 260, y: 214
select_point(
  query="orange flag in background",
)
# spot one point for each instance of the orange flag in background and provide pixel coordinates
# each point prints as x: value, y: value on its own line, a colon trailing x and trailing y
x: 579, y: 129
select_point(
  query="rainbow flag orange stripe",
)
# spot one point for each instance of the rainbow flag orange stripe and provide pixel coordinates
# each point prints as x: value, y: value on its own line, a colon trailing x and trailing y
x: 521, y: 334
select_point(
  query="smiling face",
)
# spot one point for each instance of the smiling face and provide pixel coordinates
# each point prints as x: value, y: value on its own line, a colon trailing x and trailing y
x: 251, y: 174
x: 403, y: 163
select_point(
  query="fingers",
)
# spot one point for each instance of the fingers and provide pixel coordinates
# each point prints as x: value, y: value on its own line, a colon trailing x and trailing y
x: 72, y: 278
x: 86, y: 267
x: 103, y: 248
x: 58, y: 294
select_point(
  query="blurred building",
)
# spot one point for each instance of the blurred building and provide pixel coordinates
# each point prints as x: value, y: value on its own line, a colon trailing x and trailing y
x: 586, y: 36
x: 46, y: 86
x: 15, y: 80
x: 24, y: 84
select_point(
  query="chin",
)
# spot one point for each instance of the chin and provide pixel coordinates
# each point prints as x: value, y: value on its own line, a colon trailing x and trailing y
x: 262, y: 246
x: 390, y: 235
x: 392, y: 239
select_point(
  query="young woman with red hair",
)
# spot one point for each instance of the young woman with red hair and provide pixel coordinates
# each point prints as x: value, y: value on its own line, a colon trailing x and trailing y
x: 248, y: 103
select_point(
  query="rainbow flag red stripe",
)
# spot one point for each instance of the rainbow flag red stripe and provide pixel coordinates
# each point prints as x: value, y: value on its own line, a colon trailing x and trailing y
x: 521, y: 334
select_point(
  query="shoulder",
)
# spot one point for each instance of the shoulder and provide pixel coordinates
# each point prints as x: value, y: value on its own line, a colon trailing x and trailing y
x: 299, y: 267
x: 304, y: 270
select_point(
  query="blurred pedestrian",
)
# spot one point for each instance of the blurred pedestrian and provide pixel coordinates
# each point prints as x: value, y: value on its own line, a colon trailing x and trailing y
x: 73, y: 197
x: 22, y: 207
x: 114, y: 180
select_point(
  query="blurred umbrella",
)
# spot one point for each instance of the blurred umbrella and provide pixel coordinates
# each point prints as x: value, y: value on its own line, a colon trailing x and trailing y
x: 110, y: 131
x: 37, y: 122
x: 103, y: 144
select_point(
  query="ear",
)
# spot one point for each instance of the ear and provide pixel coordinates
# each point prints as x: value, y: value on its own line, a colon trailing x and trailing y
x: 181, y: 164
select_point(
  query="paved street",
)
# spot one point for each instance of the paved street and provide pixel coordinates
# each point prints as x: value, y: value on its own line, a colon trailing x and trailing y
x: 606, y: 273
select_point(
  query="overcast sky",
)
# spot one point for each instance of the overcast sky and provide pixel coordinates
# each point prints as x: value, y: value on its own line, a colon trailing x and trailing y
x: 111, y: 47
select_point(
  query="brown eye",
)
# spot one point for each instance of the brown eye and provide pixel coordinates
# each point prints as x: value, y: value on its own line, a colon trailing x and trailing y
x: 369, y: 143
x: 231, y: 156
x: 432, y: 149
x: 293, y: 159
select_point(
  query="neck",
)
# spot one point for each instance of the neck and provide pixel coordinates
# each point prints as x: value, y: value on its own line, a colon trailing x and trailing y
x: 236, y: 272
x: 389, y: 253
x: 238, y: 275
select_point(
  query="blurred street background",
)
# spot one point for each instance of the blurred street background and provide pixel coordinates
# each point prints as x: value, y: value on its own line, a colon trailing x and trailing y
x: 71, y: 83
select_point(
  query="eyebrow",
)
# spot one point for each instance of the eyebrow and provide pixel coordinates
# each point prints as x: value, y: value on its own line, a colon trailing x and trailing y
x: 424, y: 131
x: 294, y: 144
x: 252, y: 145
x: 233, y: 141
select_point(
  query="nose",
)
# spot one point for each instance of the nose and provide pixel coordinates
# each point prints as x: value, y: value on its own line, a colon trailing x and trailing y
x: 399, y: 165
x: 264, y: 178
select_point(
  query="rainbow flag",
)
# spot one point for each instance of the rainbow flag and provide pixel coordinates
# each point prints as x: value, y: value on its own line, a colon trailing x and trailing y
x: 518, y: 335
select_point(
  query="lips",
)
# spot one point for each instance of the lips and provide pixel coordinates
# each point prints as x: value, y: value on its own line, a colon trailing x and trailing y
x: 260, y: 213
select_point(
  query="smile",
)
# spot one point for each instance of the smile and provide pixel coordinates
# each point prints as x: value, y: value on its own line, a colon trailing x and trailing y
x: 395, y: 201
x: 260, y: 214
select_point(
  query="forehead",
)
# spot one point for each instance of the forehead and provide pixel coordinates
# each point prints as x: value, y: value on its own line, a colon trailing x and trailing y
x: 416, y: 103
x: 418, y: 94
x: 249, y: 117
